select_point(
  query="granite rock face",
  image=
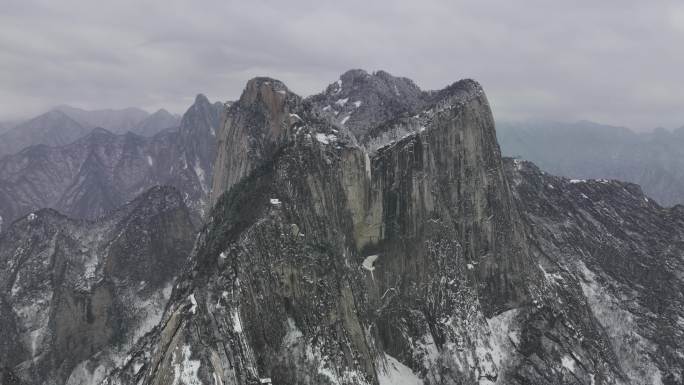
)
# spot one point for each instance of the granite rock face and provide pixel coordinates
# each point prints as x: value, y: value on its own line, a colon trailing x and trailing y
x: 626, y: 255
x: 394, y: 245
x: 76, y: 295
x: 101, y: 171
x: 327, y: 260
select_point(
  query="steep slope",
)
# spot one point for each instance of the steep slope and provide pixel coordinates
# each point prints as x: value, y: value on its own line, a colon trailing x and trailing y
x: 626, y: 253
x: 76, y: 295
x: 654, y: 160
x: 329, y: 262
x: 102, y: 171
x: 361, y: 102
x: 53, y: 128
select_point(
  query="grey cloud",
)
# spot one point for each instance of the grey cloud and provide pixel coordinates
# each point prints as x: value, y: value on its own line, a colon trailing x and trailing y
x: 618, y: 62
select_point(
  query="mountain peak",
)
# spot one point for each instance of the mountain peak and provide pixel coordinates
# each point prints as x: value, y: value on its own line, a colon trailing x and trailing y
x: 54, y: 115
x: 162, y: 111
x: 201, y: 99
x: 101, y: 131
x: 265, y: 89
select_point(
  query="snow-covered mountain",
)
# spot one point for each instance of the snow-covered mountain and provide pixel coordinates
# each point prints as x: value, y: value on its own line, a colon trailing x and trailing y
x: 371, y: 234
x: 332, y: 258
x: 78, y: 294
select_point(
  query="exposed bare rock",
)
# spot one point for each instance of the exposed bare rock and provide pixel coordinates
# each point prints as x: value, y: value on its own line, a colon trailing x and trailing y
x: 327, y: 263
x: 77, y: 294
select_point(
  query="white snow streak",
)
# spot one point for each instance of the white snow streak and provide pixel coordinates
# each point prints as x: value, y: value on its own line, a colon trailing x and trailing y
x: 193, y: 309
x: 396, y: 373
x: 237, y: 324
x: 185, y: 372
x: 369, y: 262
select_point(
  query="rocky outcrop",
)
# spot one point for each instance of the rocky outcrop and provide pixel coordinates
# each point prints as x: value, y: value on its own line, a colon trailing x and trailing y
x: 330, y: 261
x: 76, y: 295
x: 101, y: 171
x: 397, y: 247
x: 252, y: 130
x: 623, y: 254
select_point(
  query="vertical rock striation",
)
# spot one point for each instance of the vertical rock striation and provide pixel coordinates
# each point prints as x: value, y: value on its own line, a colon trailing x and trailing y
x: 77, y: 295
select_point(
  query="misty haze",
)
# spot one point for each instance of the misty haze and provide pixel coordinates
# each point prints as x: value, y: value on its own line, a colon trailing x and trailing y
x: 341, y: 193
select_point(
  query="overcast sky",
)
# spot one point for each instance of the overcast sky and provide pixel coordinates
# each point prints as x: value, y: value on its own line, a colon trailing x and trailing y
x: 613, y: 61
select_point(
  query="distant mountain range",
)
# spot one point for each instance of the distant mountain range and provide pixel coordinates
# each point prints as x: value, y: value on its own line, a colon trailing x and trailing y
x: 369, y: 235
x: 587, y: 150
x: 124, y: 120
x: 64, y: 124
x: 98, y: 170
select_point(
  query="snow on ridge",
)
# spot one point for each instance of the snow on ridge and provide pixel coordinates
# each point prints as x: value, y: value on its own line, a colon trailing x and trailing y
x: 394, y: 372
x: 568, y: 363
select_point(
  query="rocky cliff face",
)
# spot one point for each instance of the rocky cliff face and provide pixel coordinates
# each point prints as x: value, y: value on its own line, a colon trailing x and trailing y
x: 394, y: 245
x: 624, y: 255
x: 101, y: 171
x: 327, y: 260
x: 76, y: 295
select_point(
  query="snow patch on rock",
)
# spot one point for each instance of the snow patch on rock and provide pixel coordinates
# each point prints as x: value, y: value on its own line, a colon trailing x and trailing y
x: 631, y: 349
x: 193, y: 301
x: 369, y: 262
x: 393, y: 372
x: 185, y: 370
x: 325, y: 139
